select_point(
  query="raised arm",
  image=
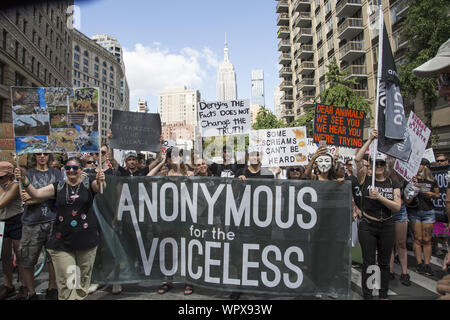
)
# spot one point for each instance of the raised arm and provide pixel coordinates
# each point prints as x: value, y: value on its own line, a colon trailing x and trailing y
x: 320, y: 152
x: 360, y: 173
x: 100, y: 179
x: 158, y: 164
x: 42, y: 194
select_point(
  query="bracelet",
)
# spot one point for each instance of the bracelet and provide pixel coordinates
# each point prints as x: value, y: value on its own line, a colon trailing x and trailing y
x: 25, y: 185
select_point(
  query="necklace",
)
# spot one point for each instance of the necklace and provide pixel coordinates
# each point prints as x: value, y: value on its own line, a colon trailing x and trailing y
x: 74, y: 193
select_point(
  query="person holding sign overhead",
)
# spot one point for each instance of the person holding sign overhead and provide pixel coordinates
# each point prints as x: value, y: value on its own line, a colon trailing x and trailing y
x: 75, y: 236
x: 376, y: 231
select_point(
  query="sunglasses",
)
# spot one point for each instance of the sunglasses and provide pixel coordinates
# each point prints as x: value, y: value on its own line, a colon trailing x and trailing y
x: 42, y: 154
x: 74, y: 168
x: 90, y: 162
x: 443, y: 80
x: 380, y: 164
x: 441, y: 160
x: 295, y: 169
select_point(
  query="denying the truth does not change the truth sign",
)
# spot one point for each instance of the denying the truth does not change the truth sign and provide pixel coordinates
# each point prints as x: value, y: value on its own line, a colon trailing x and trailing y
x: 339, y: 126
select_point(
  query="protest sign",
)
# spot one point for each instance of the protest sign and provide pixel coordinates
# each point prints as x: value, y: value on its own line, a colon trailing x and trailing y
x: 55, y: 119
x: 429, y: 155
x: 166, y: 145
x: 419, y: 135
x: 268, y: 236
x: 439, y: 173
x: 339, y: 126
x: 136, y: 131
x: 223, y: 118
x: 343, y: 153
x: 280, y: 147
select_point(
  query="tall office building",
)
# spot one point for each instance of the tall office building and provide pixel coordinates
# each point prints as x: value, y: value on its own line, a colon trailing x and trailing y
x: 226, y: 78
x: 112, y: 45
x: 94, y: 66
x: 178, y: 104
x: 142, y: 106
x: 258, y: 88
x: 35, y: 49
x: 314, y: 32
x: 277, y: 95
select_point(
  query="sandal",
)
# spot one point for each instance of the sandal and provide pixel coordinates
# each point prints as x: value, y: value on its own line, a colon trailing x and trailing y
x: 188, y: 290
x: 165, y: 288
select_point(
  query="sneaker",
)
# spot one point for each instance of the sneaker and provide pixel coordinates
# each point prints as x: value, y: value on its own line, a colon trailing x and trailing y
x: 419, y: 268
x: 391, y: 276
x: 427, y: 270
x: 34, y: 296
x: 51, y: 294
x: 404, y: 279
x: 6, y: 292
x: 116, y: 289
x: 93, y: 287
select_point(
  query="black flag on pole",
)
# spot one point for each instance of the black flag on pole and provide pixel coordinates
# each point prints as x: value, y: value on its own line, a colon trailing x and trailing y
x: 393, y: 137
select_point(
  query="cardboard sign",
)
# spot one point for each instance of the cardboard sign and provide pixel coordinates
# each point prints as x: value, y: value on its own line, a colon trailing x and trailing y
x: 55, y: 119
x: 343, y: 153
x: 166, y: 145
x: 223, y: 118
x: 136, y: 131
x: 429, y: 155
x: 339, y: 126
x: 439, y: 174
x: 280, y: 147
x: 419, y: 134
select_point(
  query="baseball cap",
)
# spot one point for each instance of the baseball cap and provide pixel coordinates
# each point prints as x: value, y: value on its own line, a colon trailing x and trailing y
x: 130, y: 154
x: 438, y: 63
x: 380, y: 157
x: 6, y: 168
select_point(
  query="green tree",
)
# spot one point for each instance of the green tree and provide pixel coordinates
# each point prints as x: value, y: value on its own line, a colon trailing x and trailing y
x: 267, y: 120
x: 427, y: 25
x: 339, y: 94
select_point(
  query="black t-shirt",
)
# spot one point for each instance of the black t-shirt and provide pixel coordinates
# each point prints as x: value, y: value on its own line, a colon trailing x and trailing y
x: 125, y: 172
x: 76, y: 225
x: 375, y: 208
x: 226, y: 171
x: 425, y: 202
x: 356, y: 190
x: 262, y: 173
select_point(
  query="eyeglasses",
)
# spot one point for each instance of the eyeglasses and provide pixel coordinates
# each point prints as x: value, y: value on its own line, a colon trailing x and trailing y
x: 90, y: 162
x: 42, y: 154
x: 295, y: 169
x: 380, y: 164
x: 74, y: 168
x: 443, y: 80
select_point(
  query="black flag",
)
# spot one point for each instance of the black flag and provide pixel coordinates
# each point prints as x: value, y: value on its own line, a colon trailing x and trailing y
x: 393, y: 137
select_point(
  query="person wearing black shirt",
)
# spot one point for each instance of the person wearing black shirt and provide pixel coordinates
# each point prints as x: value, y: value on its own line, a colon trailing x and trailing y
x: 423, y: 217
x: 229, y: 168
x: 131, y: 166
x: 376, y: 230
x: 75, y: 236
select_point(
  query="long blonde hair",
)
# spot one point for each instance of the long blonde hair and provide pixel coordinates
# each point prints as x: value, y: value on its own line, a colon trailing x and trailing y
x: 427, y: 175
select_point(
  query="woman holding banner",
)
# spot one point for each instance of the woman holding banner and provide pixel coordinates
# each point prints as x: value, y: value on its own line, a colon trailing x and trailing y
x: 75, y: 236
x: 325, y: 166
x: 423, y: 217
x: 377, y: 228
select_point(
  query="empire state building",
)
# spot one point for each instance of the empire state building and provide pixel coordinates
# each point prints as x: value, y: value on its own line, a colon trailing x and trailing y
x: 226, y: 79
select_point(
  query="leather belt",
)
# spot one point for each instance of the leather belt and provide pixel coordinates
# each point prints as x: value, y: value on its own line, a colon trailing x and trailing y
x: 375, y: 219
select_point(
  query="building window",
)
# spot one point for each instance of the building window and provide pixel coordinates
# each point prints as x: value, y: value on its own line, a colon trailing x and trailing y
x: 5, y: 36
x: 76, y: 65
x: 104, y: 71
x: 97, y: 60
x: 96, y: 74
x: 85, y: 69
x: 24, y: 54
x: 19, y: 80
x: 76, y: 56
x: 96, y: 67
x: 86, y: 62
x: 77, y: 48
x: 16, y: 53
x: 24, y: 26
x: 2, y: 71
x: 86, y: 54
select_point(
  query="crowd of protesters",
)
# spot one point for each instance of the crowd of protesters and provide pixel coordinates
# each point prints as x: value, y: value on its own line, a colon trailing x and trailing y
x: 51, y: 208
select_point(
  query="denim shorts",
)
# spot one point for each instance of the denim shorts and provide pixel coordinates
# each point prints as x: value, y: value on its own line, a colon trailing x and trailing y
x: 402, y: 215
x: 422, y: 216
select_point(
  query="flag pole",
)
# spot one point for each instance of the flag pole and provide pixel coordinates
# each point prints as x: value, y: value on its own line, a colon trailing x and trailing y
x: 380, y: 70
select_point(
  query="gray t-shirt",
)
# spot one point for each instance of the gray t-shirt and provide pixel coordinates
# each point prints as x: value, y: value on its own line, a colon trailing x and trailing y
x: 45, y: 211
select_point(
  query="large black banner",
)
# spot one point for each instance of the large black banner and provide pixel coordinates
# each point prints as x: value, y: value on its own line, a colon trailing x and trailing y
x: 439, y: 174
x: 262, y: 236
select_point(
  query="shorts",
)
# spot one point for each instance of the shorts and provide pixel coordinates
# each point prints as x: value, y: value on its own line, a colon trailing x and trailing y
x: 422, y: 216
x: 402, y: 215
x: 33, y: 239
x: 13, y: 227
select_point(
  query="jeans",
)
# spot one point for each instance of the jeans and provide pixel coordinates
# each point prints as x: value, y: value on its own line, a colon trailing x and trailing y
x: 377, y: 241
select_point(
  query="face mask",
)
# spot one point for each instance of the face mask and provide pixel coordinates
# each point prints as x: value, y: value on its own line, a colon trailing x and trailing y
x: 323, y: 164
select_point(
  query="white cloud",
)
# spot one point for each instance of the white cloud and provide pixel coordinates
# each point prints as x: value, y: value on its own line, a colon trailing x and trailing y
x: 150, y: 70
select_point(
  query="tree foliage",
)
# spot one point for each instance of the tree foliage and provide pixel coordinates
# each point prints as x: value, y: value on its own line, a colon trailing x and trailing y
x: 267, y: 120
x: 427, y: 26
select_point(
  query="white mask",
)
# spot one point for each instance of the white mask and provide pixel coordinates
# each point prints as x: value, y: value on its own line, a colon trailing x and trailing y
x: 323, y: 164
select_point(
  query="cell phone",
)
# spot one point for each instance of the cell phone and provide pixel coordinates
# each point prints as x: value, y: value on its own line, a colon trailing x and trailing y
x: 322, y: 143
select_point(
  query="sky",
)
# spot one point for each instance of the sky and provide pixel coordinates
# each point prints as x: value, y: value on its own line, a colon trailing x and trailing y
x: 181, y: 43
